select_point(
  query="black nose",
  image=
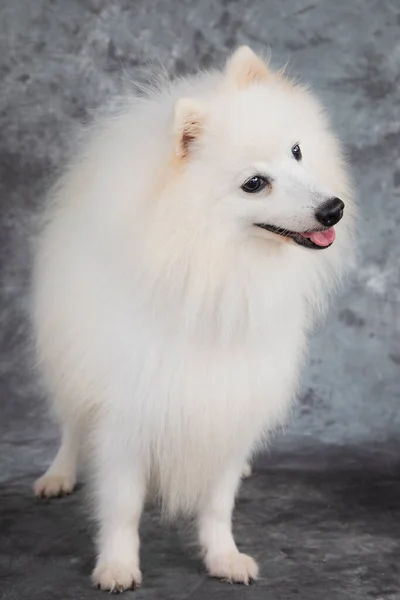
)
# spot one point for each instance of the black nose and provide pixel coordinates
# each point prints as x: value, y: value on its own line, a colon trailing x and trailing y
x: 330, y: 212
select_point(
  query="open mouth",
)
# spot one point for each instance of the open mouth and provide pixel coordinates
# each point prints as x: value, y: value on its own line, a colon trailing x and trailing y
x: 316, y: 240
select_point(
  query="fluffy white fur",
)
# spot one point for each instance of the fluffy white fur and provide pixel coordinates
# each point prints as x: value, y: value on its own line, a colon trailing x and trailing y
x: 169, y: 328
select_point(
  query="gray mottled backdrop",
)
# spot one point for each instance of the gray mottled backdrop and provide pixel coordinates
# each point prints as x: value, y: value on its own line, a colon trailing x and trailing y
x: 322, y: 510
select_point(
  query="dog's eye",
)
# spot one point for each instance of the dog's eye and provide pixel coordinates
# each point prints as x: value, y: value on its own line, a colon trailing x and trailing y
x: 297, y: 152
x: 254, y: 184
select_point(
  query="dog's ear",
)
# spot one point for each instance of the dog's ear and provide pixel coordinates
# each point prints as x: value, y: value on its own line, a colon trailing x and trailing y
x: 189, y: 121
x: 244, y: 67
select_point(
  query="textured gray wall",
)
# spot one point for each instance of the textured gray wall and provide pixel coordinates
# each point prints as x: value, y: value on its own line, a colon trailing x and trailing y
x: 60, y: 60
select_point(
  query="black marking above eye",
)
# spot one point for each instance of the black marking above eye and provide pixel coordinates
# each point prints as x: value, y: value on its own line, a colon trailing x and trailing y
x: 254, y: 184
x: 296, y: 151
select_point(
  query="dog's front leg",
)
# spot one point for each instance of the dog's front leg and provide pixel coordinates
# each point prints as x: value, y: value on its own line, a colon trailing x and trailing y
x: 120, y: 487
x: 221, y: 556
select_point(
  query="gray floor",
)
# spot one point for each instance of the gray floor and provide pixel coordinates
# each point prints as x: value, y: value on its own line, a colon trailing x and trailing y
x: 322, y: 512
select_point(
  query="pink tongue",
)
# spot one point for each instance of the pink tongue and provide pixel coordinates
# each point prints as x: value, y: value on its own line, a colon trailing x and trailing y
x: 321, y: 238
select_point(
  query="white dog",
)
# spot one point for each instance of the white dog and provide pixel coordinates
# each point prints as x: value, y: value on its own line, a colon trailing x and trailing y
x: 186, y: 252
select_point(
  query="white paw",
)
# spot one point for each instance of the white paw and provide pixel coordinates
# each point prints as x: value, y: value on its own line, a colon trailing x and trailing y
x: 246, y: 472
x: 233, y: 567
x: 116, y: 576
x: 54, y: 484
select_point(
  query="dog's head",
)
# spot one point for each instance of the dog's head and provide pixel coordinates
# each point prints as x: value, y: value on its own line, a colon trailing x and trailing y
x: 259, y: 156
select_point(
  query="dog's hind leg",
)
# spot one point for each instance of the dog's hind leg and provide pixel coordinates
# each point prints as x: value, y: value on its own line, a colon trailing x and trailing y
x: 247, y: 470
x: 60, y: 477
